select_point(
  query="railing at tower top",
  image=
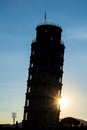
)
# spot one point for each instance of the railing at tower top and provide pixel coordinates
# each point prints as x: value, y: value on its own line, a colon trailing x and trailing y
x: 49, y: 23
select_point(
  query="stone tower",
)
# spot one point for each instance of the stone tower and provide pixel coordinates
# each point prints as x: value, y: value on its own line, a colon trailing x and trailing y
x: 44, y: 82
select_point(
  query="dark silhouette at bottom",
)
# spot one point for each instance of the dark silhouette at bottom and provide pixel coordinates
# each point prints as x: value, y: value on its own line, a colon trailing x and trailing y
x: 68, y: 123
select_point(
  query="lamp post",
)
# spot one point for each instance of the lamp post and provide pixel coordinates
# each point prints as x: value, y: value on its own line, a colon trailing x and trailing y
x: 13, y: 116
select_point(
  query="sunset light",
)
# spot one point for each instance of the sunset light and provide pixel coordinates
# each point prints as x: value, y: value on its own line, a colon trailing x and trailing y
x: 63, y: 102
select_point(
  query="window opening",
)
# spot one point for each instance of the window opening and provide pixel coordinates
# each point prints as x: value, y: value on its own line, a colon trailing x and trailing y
x: 33, y: 52
x: 51, y: 38
x: 27, y: 102
x: 61, y: 67
x: 59, y: 92
x: 32, y: 65
x: 30, y: 77
x: 61, y: 55
x: 26, y: 114
x: 45, y: 30
x: 29, y: 89
x: 60, y: 80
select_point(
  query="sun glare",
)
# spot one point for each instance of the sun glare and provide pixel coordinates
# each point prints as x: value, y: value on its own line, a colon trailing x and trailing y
x: 63, y: 102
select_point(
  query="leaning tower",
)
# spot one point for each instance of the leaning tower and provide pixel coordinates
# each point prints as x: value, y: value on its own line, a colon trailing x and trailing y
x: 44, y: 83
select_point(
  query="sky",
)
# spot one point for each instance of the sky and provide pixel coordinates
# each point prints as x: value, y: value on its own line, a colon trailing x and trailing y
x: 18, y: 22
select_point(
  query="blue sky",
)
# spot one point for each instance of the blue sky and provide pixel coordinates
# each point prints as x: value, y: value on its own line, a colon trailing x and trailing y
x: 18, y: 20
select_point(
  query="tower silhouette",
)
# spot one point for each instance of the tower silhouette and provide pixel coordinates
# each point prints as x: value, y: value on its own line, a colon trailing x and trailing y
x: 44, y: 83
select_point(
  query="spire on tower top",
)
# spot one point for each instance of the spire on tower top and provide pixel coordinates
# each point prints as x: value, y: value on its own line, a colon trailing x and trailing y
x: 45, y: 17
